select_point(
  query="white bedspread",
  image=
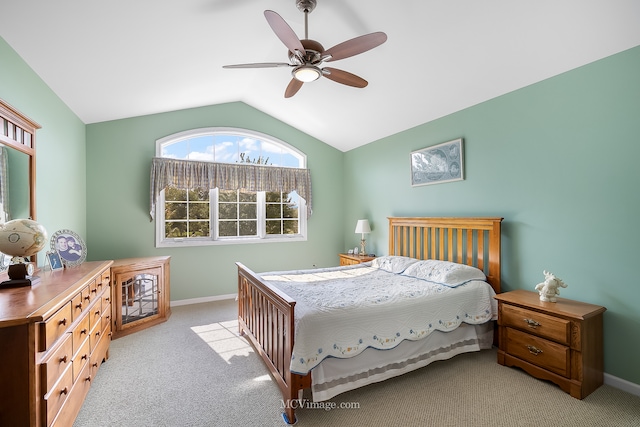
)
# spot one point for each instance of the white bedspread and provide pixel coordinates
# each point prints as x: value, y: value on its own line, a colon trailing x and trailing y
x: 342, y: 311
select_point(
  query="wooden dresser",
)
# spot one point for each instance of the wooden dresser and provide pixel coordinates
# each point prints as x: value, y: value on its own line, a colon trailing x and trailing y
x: 560, y: 342
x: 349, y: 259
x: 53, y: 337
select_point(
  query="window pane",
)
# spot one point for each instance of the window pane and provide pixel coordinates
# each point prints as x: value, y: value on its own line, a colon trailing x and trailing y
x: 228, y: 196
x: 199, y: 210
x: 273, y: 211
x: 199, y: 194
x: 175, y: 229
x: 273, y: 197
x: 290, y: 227
x: 290, y: 211
x: 248, y: 211
x: 175, y: 210
x: 274, y: 227
x: 172, y: 194
x: 228, y: 211
x: 228, y: 228
x: 248, y: 228
x: 198, y: 228
x: 248, y: 197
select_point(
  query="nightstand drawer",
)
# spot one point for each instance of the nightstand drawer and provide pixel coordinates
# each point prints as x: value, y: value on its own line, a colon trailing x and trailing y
x: 535, y: 323
x: 546, y: 354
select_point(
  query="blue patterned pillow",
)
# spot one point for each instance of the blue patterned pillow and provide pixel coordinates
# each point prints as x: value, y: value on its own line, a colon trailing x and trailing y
x: 444, y: 272
x: 392, y: 263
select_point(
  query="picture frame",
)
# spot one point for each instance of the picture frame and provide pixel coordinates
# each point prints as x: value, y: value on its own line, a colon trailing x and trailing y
x: 55, y: 262
x: 69, y: 246
x: 438, y: 163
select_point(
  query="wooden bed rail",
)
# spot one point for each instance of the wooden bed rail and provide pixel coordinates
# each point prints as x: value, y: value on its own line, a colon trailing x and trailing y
x: 470, y: 241
x: 266, y: 318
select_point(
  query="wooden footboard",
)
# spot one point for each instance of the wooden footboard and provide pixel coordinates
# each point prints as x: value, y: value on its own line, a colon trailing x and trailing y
x: 266, y: 317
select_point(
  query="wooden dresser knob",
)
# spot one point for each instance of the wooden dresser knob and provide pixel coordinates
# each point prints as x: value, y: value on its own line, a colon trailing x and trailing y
x: 63, y: 359
x: 64, y: 391
x: 63, y: 322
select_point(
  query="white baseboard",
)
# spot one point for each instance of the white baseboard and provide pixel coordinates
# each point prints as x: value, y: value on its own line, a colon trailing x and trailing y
x: 623, y: 385
x: 201, y: 300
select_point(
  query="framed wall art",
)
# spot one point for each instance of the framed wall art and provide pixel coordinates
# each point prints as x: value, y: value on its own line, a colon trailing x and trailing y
x: 438, y: 163
x: 69, y: 246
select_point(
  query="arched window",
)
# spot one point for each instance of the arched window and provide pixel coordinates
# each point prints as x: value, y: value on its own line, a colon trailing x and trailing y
x: 224, y: 186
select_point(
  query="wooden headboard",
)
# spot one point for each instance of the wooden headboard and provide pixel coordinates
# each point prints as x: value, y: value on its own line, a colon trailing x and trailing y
x: 470, y: 241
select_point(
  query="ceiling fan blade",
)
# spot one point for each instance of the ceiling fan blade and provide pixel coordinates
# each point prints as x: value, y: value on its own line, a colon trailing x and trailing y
x: 284, y: 32
x: 355, y: 46
x: 293, y: 88
x: 344, y: 77
x: 259, y: 65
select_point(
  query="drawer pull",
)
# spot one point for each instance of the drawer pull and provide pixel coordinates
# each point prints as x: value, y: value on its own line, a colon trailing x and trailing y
x: 97, y: 312
x: 534, y: 350
x: 88, y: 379
x: 63, y: 322
x: 64, y: 391
x: 84, y: 357
x: 83, y: 331
x: 88, y: 298
x: 532, y: 323
x: 63, y: 359
x: 79, y: 306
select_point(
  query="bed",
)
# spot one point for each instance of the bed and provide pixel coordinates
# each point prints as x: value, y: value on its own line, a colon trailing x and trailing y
x: 300, y: 354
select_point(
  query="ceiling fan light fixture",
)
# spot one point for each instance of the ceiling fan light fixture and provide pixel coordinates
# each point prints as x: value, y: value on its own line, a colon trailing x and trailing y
x: 306, y: 73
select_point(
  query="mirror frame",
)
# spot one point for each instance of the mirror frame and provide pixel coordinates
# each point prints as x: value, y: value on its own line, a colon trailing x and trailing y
x: 17, y: 131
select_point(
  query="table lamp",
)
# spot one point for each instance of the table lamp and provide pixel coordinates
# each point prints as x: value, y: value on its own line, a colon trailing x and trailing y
x: 363, y: 228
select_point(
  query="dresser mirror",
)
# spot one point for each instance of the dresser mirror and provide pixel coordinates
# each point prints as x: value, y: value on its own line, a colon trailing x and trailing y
x: 17, y: 168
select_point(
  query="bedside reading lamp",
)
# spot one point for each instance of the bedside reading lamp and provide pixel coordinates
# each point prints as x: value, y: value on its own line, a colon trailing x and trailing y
x: 363, y: 228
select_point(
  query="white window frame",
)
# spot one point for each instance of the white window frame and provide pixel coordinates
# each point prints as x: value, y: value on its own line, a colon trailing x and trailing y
x: 214, y: 239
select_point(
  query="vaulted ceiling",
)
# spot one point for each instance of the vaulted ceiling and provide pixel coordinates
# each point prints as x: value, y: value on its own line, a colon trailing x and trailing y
x: 123, y: 58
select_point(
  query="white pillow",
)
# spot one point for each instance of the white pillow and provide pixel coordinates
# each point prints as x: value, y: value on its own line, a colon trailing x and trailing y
x: 444, y: 272
x: 393, y: 263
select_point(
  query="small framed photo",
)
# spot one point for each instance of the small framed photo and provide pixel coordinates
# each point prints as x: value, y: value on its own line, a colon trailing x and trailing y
x: 54, y: 261
x: 438, y: 163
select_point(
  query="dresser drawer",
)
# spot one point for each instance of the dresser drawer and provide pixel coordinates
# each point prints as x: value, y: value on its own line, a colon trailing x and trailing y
x: 95, y: 314
x: 79, y: 303
x: 52, y: 328
x: 80, y: 333
x: 539, y: 351
x: 106, y: 296
x: 56, y: 362
x: 96, y: 334
x: 535, y: 323
x: 106, y: 319
x: 80, y: 359
x: 54, y: 399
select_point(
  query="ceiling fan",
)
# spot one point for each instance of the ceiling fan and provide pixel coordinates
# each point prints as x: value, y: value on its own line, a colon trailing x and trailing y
x: 307, y: 56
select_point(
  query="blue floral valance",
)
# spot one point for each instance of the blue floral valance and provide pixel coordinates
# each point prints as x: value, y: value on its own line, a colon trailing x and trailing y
x: 187, y: 174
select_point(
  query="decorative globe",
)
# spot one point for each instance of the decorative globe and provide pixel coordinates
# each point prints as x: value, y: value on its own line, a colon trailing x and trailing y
x: 22, y: 237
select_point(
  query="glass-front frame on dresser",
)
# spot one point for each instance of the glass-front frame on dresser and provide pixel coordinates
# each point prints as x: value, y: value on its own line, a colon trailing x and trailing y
x: 141, y: 293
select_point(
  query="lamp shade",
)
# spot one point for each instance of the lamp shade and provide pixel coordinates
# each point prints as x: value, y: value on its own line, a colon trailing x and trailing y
x: 363, y: 226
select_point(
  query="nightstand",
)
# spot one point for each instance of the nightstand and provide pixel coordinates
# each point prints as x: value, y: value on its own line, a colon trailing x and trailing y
x: 560, y: 342
x: 348, y: 259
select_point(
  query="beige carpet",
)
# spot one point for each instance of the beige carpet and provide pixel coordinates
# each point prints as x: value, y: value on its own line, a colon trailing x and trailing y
x: 195, y: 371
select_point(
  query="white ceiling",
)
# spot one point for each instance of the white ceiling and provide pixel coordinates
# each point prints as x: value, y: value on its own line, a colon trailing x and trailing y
x: 113, y: 59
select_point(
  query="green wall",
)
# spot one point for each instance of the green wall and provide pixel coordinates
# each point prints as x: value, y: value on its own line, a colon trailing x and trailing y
x: 60, y: 144
x: 559, y: 161
x: 119, y: 157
